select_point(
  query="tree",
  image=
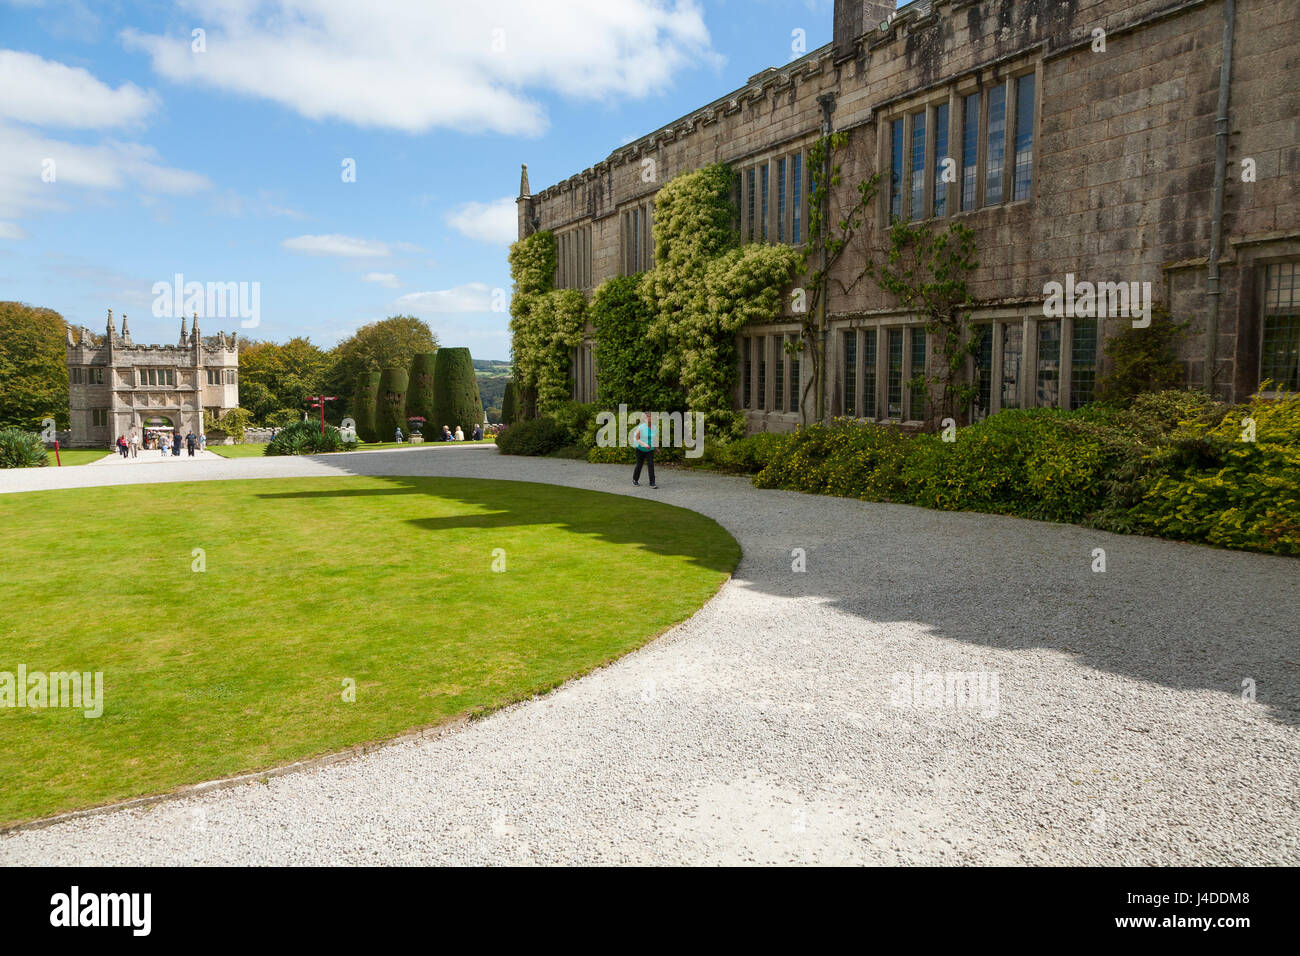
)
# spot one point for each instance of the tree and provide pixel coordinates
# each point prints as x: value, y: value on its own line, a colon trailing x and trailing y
x: 926, y: 270
x: 273, y: 376
x: 33, y: 366
x: 390, y: 408
x: 419, y: 391
x: 365, y: 403
x: 389, y: 343
x: 455, y: 391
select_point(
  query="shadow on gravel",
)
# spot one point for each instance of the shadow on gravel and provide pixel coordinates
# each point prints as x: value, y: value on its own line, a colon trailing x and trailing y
x: 1186, y: 617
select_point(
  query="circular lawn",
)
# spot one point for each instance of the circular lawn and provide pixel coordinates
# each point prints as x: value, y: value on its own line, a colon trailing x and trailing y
x: 240, y: 625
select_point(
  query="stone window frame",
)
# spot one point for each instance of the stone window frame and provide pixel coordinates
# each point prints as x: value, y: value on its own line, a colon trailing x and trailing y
x: 995, y: 321
x: 95, y: 375
x: 636, y: 237
x: 76, y: 375
x: 881, y: 325
x: 769, y: 231
x: 573, y: 257
x: 905, y: 110
x: 762, y: 348
x: 99, y: 418
x: 1271, y: 306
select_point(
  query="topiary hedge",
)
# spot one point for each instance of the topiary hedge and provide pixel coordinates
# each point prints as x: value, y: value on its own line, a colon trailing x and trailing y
x: 419, y: 388
x: 390, y: 406
x: 305, y: 438
x: 365, y: 402
x: 456, y: 399
x: 21, y: 449
x: 510, y: 404
x: 536, y: 436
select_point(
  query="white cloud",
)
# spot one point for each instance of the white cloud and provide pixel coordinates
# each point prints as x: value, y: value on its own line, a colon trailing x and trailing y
x: 495, y: 222
x: 470, y: 297
x: 40, y: 173
x: 10, y: 230
x: 398, y: 64
x: 387, y: 279
x: 335, y: 245
x: 48, y: 93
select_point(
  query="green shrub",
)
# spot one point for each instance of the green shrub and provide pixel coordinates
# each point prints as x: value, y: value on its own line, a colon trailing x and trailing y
x: 578, y: 421
x: 21, y: 449
x: 1142, y: 360
x: 305, y: 438
x: 747, y: 456
x: 390, y: 406
x: 537, y: 436
x: 842, y: 458
x: 456, y: 399
x: 1216, y: 486
x: 365, y: 404
x: 232, y: 423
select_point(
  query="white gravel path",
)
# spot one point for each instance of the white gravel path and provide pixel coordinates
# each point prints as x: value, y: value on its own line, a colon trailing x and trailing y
x: 763, y: 729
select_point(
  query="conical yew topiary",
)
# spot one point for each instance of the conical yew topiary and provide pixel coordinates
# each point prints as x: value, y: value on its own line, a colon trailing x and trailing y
x: 509, y: 404
x: 390, y: 409
x: 364, y: 402
x: 419, y: 391
x: 456, y: 400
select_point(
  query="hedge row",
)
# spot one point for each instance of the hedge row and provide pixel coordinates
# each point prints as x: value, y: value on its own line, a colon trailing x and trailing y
x: 1174, y: 464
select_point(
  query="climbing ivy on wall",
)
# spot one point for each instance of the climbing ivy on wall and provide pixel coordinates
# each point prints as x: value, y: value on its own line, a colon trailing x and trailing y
x: 665, y: 339
x: 545, y: 324
x: 705, y: 286
x: 628, y: 360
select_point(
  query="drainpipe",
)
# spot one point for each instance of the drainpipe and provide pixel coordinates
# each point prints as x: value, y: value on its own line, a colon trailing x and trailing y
x: 827, y: 103
x: 1213, y: 292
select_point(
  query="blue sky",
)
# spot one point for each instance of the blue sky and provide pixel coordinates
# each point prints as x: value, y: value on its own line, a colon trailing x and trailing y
x: 225, y: 164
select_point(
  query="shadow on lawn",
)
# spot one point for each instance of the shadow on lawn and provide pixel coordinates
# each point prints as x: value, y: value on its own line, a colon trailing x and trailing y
x: 1185, y: 617
x: 654, y: 526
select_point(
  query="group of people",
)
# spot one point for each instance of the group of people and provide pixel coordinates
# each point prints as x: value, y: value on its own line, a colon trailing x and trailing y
x: 128, y: 446
x: 447, y: 434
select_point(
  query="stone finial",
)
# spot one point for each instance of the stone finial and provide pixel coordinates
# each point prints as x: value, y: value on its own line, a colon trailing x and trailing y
x: 110, y: 324
x: 523, y: 183
x: 71, y: 340
x: 126, y: 331
x: 185, y: 336
x: 194, y: 330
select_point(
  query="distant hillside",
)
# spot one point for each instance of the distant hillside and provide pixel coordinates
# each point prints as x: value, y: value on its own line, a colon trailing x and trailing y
x: 492, y: 376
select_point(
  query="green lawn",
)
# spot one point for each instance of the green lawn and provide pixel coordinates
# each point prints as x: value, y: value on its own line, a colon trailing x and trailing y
x: 383, y: 581
x: 256, y: 450
x: 78, y: 456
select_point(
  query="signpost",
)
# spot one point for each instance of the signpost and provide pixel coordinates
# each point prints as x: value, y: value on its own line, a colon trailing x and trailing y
x: 318, y: 401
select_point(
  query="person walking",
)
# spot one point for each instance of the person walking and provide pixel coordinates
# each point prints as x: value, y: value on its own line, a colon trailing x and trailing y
x: 643, y: 441
x: 135, y: 444
x: 121, y: 445
x: 203, y: 442
x: 191, y: 442
x: 176, y: 444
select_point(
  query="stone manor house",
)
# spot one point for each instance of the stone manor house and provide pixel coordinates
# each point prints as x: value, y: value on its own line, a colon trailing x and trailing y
x: 1133, y: 141
x: 116, y: 387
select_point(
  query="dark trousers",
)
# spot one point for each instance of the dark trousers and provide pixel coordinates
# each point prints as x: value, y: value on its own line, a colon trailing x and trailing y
x: 644, y: 458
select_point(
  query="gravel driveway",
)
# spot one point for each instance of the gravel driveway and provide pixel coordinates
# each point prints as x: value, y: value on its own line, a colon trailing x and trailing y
x: 803, y: 716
